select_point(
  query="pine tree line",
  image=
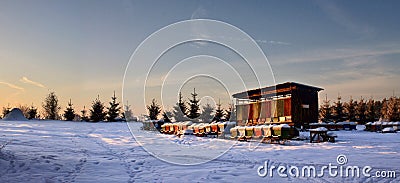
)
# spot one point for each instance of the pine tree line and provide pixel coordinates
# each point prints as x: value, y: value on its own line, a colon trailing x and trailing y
x: 97, y: 112
x: 191, y: 110
x: 182, y: 111
x: 361, y: 111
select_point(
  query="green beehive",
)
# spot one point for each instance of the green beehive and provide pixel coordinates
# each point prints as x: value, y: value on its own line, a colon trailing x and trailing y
x: 249, y: 131
x: 285, y: 132
x: 234, y: 132
x: 277, y: 130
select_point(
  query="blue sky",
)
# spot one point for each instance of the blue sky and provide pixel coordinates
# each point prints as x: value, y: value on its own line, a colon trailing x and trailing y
x: 80, y: 48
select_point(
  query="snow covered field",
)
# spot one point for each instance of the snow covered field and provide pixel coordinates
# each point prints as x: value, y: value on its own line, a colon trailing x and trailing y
x: 57, y: 151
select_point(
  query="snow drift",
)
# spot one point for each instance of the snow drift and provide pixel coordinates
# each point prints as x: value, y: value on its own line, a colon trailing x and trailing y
x: 64, y: 151
x: 15, y: 115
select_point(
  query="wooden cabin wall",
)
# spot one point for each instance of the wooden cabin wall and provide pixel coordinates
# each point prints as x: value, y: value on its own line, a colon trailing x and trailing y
x: 288, y: 106
x: 303, y: 116
x: 314, y: 107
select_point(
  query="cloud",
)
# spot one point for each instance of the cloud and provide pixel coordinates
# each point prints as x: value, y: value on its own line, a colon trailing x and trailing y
x: 279, y: 43
x: 261, y: 41
x: 199, y: 30
x: 12, y: 86
x: 357, y: 71
x: 343, y: 18
x: 199, y: 13
x: 26, y: 80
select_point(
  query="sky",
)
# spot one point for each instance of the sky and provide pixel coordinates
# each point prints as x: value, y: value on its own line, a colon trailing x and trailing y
x: 81, y: 49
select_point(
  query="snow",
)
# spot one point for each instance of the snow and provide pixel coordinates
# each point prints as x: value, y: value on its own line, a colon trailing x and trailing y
x: 319, y: 129
x: 284, y: 125
x: 15, y: 115
x: 388, y: 130
x: 58, y: 151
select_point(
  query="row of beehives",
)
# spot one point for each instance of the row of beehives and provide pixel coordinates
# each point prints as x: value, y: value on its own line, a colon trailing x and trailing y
x: 282, y: 131
x: 335, y: 126
x: 379, y: 126
x: 199, y: 129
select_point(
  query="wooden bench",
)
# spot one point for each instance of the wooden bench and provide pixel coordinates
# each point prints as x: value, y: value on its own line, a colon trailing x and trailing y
x: 319, y: 135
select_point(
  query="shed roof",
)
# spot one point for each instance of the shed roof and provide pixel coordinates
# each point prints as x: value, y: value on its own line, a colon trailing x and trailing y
x: 279, y: 89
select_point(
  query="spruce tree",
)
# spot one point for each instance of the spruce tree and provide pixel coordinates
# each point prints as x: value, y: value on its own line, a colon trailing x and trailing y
x: 384, y: 109
x: 378, y: 109
x: 113, y: 110
x: 69, y: 113
x: 84, y: 116
x: 51, y: 107
x: 6, y: 110
x: 370, y: 112
x: 179, y: 111
x: 165, y: 116
x: 24, y: 109
x: 325, y: 111
x: 177, y: 114
x: 397, y: 112
x: 182, y: 105
x: 350, y: 110
x: 206, y: 115
x: 127, y: 114
x: 392, y: 109
x: 194, y: 106
x: 396, y: 116
x: 32, y: 112
x: 154, y: 110
x: 338, y: 114
x: 219, y: 112
x: 230, y: 113
x: 97, y: 112
x: 361, y: 108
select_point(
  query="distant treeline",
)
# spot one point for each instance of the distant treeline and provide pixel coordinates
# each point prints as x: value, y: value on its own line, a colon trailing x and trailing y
x: 361, y: 111
x: 191, y: 110
x: 98, y: 111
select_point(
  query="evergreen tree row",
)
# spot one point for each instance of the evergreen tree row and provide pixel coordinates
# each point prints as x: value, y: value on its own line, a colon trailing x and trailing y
x: 183, y: 111
x: 361, y: 111
x: 98, y: 111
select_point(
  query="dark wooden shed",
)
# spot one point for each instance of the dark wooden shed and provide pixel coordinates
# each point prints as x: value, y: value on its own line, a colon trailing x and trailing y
x: 287, y: 103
